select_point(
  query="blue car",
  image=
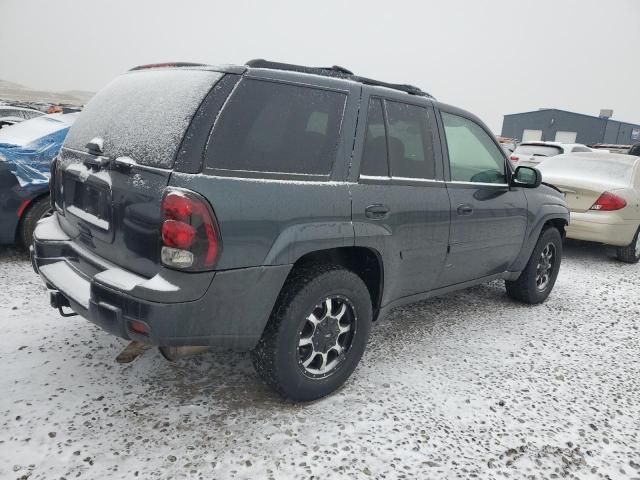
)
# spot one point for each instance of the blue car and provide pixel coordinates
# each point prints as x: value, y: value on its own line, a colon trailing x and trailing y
x: 26, y: 152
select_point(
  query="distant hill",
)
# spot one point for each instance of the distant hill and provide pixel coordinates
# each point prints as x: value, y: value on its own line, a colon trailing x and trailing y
x: 16, y: 92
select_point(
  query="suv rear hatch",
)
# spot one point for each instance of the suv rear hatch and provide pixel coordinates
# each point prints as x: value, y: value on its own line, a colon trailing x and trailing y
x: 117, y: 160
x: 532, y: 154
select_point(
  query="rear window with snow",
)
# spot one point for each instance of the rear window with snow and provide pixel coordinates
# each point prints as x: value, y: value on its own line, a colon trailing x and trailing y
x: 610, y: 168
x: 538, y: 150
x: 143, y: 115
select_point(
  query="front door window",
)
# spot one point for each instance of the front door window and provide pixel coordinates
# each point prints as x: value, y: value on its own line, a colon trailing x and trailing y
x: 473, y: 155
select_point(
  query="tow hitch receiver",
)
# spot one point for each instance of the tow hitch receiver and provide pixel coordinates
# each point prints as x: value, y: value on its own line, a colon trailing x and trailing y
x: 57, y: 300
x: 132, y: 351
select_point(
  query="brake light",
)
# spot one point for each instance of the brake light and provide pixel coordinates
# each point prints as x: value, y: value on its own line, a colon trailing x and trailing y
x: 189, y: 232
x: 609, y: 202
x: 514, y: 158
x: 177, y: 234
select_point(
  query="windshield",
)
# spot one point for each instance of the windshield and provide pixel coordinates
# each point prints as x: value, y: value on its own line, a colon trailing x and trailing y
x: 538, y: 150
x: 608, y: 168
x: 143, y: 115
x: 24, y: 133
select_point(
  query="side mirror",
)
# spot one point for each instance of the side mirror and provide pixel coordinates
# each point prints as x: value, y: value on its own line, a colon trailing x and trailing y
x: 527, y: 177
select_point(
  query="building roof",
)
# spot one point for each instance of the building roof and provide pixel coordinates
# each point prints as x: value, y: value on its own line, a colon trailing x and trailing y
x: 572, y: 113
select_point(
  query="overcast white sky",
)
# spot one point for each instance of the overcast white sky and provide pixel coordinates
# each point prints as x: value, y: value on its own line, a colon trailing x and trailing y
x: 491, y: 57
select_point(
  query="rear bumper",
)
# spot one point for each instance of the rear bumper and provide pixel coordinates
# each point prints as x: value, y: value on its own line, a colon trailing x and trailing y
x: 230, y: 311
x: 602, y: 227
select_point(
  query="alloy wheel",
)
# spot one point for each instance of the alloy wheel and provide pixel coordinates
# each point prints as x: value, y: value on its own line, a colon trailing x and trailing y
x: 326, y: 336
x: 546, y: 263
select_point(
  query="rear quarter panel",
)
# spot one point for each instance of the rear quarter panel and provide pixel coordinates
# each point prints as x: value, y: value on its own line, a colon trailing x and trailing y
x: 632, y: 196
x: 272, y: 221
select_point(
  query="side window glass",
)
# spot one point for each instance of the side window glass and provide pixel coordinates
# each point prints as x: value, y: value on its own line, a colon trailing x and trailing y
x: 277, y: 127
x: 410, y: 146
x: 473, y: 156
x: 374, y: 154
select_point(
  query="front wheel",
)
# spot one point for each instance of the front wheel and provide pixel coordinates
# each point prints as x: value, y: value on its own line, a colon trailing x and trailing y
x: 317, y: 333
x: 630, y: 253
x: 539, y: 276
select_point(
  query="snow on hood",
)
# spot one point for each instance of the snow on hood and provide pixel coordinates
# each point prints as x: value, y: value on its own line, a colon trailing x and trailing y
x: 28, y: 148
x: 27, y: 132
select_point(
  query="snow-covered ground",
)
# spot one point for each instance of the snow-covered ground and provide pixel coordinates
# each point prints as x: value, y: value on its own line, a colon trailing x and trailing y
x: 467, y: 385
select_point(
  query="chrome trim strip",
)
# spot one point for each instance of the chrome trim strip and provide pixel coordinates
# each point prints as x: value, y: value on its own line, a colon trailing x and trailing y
x: 422, y: 180
x: 401, y: 179
x: 482, y: 184
x: 373, y: 177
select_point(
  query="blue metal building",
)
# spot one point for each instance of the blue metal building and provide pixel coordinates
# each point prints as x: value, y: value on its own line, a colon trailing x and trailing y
x: 551, y: 124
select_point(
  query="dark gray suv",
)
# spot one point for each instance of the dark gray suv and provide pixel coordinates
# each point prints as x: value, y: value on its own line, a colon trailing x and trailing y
x: 280, y: 210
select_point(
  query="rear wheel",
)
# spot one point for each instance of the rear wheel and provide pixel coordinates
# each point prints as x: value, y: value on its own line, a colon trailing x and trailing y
x: 317, y: 333
x: 630, y: 253
x: 39, y: 209
x: 539, y: 276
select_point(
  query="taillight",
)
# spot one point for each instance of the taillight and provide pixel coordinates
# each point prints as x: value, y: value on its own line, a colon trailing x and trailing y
x: 514, y: 158
x: 177, y: 234
x: 608, y: 202
x: 189, y: 232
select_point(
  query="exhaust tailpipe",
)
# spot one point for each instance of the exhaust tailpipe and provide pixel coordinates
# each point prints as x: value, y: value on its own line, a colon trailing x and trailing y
x: 172, y: 353
x: 132, y: 351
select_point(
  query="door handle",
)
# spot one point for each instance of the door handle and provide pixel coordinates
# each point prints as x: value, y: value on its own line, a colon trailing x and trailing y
x: 376, y: 211
x: 465, y: 209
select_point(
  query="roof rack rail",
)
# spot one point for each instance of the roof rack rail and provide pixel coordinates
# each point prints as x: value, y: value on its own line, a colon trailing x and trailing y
x: 166, y: 65
x: 335, y: 71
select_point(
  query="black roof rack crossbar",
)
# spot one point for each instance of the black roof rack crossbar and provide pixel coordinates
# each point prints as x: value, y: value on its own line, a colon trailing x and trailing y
x: 335, y: 71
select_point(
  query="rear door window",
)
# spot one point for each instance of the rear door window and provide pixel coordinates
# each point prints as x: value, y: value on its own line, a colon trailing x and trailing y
x: 144, y: 114
x: 374, y: 155
x: 277, y: 127
x: 409, y: 143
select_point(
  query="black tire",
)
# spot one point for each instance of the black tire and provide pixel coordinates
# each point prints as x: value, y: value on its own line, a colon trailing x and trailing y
x: 37, y: 210
x: 527, y: 288
x: 277, y: 357
x: 630, y: 253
